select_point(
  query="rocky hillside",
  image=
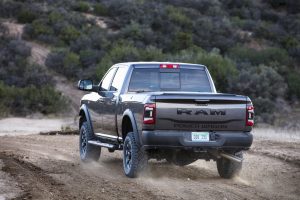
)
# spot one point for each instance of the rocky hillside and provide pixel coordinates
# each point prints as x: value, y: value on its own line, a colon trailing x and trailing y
x: 250, y: 47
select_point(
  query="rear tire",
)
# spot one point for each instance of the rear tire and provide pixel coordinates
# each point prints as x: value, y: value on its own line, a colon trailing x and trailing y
x: 88, y: 152
x: 228, y: 168
x: 134, y: 158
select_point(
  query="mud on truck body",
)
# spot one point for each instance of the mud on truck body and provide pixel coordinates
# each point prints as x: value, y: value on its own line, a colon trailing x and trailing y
x: 162, y: 110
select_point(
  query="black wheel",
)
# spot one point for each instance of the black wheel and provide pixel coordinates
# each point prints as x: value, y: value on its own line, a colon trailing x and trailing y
x: 228, y: 168
x: 134, y: 158
x: 88, y: 152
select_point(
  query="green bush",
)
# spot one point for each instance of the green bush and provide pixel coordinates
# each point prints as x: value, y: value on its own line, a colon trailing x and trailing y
x: 55, y: 60
x: 14, y: 67
x: 89, y: 57
x: 9, y: 9
x: 55, y: 17
x: 71, y: 65
x: 120, y: 52
x: 69, y: 33
x: 256, y: 57
x: 182, y: 40
x: 100, y: 10
x: 278, y: 3
x: 125, y: 52
x: 177, y: 16
x: 40, y: 27
x: 65, y: 62
x: 25, y: 88
x: 151, y: 53
x: 260, y: 81
x: 293, y: 79
x: 264, y: 110
x: 133, y: 31
x: 23, y: 101
x: 289, y: 42
x: 221, y: 68
x: 26, y: 16
x: 262, y: 30
x: 238, y: 21
x: 214, y: 33
x: 272, y: 54
x: 264, y: 86
x: 81, y: 6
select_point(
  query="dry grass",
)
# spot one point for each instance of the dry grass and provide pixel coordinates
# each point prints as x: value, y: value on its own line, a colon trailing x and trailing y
x: 278, y: 134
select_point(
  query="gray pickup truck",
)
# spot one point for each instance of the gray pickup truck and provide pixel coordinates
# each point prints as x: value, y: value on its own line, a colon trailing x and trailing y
x: 171, y: 111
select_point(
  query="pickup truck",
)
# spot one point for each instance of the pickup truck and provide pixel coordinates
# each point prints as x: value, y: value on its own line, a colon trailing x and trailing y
x: 163, y: 110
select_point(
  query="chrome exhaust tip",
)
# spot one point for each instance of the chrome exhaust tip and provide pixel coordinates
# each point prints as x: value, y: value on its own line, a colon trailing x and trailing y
x: 231, y: 157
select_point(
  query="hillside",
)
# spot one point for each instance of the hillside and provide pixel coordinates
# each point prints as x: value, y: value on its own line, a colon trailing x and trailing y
x: 250, y: 47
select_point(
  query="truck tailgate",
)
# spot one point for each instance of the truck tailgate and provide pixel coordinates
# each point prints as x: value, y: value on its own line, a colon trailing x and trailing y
x: 200, y: 112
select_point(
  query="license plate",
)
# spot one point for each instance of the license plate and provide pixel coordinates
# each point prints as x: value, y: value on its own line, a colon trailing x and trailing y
x: 200, y: 136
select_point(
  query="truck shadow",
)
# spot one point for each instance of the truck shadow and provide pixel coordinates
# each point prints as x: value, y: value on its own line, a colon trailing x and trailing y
x: 162, y: 169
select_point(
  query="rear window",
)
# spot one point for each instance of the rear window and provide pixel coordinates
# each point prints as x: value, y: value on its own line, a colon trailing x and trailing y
x: 154, y: 79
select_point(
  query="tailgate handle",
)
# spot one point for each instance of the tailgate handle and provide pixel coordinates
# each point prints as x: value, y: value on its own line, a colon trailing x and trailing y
x: 201, y: 100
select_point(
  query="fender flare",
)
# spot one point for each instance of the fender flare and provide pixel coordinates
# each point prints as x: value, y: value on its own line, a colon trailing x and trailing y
x: 85, y: 111
x: 130, y: 114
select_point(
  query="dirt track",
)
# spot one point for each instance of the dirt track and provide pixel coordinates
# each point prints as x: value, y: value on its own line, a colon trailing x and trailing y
x: 48, y: 167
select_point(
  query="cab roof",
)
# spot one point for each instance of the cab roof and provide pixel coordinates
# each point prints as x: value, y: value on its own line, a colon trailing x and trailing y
x: 156, y: 63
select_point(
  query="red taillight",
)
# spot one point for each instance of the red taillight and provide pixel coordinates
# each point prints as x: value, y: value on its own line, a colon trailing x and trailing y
x: 250, y: 116
x: 149, y: 114
x: 169, y: 66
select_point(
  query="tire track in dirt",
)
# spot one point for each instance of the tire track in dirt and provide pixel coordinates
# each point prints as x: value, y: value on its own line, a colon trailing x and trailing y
x: 34, y: 182
x: 58, y: 157
x: 58, y: 166
x: 284, y: 151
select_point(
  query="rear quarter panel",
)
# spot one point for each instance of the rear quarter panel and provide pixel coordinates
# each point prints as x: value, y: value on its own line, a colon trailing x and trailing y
x: 135, y: 103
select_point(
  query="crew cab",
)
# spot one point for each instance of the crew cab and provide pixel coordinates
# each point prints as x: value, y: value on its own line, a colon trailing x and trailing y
x: 163, y: 110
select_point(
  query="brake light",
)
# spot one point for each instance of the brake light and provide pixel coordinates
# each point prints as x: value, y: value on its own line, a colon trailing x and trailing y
x: 169, y: 66
x: 149, y: 114
x: 250, y: 115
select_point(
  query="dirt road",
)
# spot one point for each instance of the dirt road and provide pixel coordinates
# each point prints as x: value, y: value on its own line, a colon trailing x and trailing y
x: 27, y: 126
x: 48, y: 167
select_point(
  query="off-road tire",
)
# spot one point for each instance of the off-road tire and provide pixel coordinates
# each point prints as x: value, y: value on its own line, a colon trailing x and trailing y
x: 228, y: 168
x: 134, y: 158
x: 88, y: 152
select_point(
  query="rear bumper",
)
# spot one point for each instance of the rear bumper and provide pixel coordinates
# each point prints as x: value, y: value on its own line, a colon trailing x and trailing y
x: 182, y: 140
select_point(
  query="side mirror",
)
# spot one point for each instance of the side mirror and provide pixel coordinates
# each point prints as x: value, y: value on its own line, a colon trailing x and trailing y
x: 85, y: 85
